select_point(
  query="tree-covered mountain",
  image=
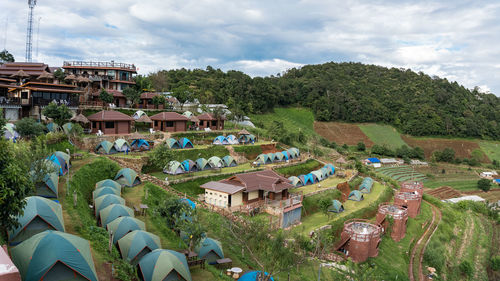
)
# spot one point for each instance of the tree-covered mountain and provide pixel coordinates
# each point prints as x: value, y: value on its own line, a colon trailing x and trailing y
x: 414, y: 102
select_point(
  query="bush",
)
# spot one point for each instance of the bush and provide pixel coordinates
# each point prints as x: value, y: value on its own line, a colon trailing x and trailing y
x: 495, y: 263
x: 300, y: 169
x: 249, y: 151
x: 312, y: 204
x: 434, y: 255
x: 466, y: 268
x: 84, y: 180
x: 484, y: 184
x: 29, y: 127
x: 361, y: 146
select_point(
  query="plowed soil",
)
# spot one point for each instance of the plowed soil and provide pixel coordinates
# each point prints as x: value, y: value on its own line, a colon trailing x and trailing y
x: 342, y: 133
x: 463, y: 148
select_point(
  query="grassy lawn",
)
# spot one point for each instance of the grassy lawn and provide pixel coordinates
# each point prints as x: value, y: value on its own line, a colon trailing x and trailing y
x: 319, y: 219
x: 491, y: 149
x: 292, y: 118
x: 235, y: 170
x: 382, y: 134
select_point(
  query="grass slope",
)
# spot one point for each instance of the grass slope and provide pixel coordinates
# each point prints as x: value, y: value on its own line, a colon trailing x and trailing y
x: 491, y: 149
x: 382, y: 134
x: 292, y: 118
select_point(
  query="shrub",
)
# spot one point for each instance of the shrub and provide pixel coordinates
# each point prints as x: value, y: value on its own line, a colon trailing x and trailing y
x: 466, y: 268
x: 361, y: 146
x: 84, y: 180
x: 495, y: 263
x: 484, y: 184
x: 29, y: 127
x: 434, y: 255
x: 300, y: 169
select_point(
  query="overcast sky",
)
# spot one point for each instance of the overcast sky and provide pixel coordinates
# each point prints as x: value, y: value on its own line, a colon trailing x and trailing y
x: 454, y: 39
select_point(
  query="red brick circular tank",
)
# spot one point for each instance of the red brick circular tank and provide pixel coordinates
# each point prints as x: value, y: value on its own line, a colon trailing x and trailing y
x: 399, y: 216
x: 409, y: 200
x: 413, y: 186
x: 364, y: 239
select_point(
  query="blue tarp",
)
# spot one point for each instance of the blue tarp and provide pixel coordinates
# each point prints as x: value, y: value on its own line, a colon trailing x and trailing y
x: 374, y: 160
x: 252, y: 276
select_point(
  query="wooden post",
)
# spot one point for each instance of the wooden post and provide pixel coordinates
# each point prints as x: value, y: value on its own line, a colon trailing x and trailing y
x: 75, y: 197
x: 110, y: 241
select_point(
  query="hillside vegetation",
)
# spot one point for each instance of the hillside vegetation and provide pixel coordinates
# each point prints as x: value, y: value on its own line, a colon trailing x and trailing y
x: 415, y: 103
x: 383, y: 135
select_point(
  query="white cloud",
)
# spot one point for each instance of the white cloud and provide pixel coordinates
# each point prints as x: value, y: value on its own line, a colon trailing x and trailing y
x: 266, y: 67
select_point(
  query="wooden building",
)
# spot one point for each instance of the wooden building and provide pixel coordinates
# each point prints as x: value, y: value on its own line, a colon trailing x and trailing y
x: 207, y: 120
x: 146, y: 101
x: 110, y: 122
x: 169, y: 122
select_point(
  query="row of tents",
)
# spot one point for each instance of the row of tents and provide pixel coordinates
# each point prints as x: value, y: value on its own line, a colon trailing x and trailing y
x: 121, y: 145
x: 232, y: 139
x: 364, y: 188
x: 285, y: 155
x: 55, y: 165
x: 189, y: 166
x: 182, y: 143
x: 313, y: 177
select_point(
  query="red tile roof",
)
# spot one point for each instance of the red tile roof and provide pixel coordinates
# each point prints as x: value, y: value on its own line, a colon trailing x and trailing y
x: 209, y: 117
x: 148, y: 95
x: 31, y: 68
x: 109, y: 115
x: 262, y: 180
x: 169, y: 116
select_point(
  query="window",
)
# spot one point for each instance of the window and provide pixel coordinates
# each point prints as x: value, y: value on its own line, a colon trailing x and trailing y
x: 94, y: 124
x: 109, y: 125
x: 156, y: 123
x: 170, y: 123
x: 24, y: 95
x: 214, y: 123
x: 201, y: 122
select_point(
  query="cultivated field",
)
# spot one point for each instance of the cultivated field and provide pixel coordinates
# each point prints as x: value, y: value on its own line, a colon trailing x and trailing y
x: 342, y: 133
x: 491, y: 149
x: 293, y: 119
x: 463, y: 148
x: 383, y: 135
x: 402, y: 173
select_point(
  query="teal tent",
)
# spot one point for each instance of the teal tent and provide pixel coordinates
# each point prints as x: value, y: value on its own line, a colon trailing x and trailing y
x: 231, y: 139
x: 67, y: 128
x: 295, y: 181
x: 215, y: 162
x: 162, y: 265
x: 279, y: 157
x: 271, y: 157
x: 189, y: 165
x: 293, y: 153
x: 62, y: 166
x: 105, y: 147
x: 172, y: 143
x: 209, y: 249
x: 263, y: 159
x: 52, y: 127
x: 123, y: 225
x: 108, y: 182
x: 285, y: 154
x: 185, y: 143
x: 64, y: 156
x: 355, y: 195
x: 330, y: 168
x: 245, y: 139
x: 202, y: 164
x: 137, y: 244
x: 127, y: 177
x: 174, y: 168
x: 105, y: 190
x: 220, y: 140
x: 366, y: 186
x: 324, y: 172
x: 336, y: 207
x: 40, y: 214
x: 254, y: 275
x: 121, y: 145
x: 229, y: 161
x: 49, y: 186
x: 140, y: 144
x: 105, y: 200
x: 318, y: 174
x: 112, y: 212
x: 54, y: 256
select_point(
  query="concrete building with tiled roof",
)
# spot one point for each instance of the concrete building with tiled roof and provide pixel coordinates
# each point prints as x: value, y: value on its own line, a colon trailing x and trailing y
x: 32, y: 69
x: 110, y: 122
x: 169, y: 122
x: 207, y: 120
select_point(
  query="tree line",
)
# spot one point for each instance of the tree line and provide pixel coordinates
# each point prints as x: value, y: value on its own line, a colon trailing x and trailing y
x: 415, y: 103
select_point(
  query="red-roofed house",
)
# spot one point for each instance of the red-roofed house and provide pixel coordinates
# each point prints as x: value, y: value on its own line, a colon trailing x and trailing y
x: 32, y: 69
x: 147, y: 101
x: 169, y: 122
x: 207, y: 120
x: 110, y: 122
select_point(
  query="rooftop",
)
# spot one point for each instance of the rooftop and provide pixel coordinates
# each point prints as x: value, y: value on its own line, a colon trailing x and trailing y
x: 99, y: 65
x: 169, y: 116
x: 109, y: 115
x: 267, y: 180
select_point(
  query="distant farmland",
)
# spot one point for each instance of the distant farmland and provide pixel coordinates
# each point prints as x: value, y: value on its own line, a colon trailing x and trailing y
x: 342, y: 133
x: 463, y: 148
x: 383, y: 135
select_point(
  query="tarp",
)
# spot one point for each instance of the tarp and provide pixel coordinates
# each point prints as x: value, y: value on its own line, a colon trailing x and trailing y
x: 336, y: 207
x: 172, y: 143
x: 231, y: 139
x: 355, y: 195
x: 40, y: 214
x: 140, y: 144
x: 127, y: 177
x: 108, y: 182
x: 105, y: 190
x: 138, y: 114
x: 114, y: 211
x: 189, y: 165
x: 215, y: 162
x: 373, y: 160
x: 104, y: 201
x: 253, y: 275
x: 173, y: 168
x: 54, y: 255
x: 229, y: 161
x: 220, y: 140
x: 60, y: 162
x: 162, y: 265
x: 121, y: 145
x: 136, y: 244
x: 67, y: 127
x: 105, y: 147
x: 295, y: 181
x: 123, y: 225
x: 49, y: 186
x: 209, y: 249
x: 202, y: 164
x: 185, y: 143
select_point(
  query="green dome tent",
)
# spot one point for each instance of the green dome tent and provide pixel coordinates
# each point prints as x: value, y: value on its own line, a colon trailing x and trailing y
x: 278, y: 157
x: 263, y: 159
x: 293, y: 152
x: 104, y: 201
x: 49, y: 186
x: 325, y: 172
x: 355, y: 195
x: 127, y: 177
x: 188, y: 114
x: 162, y: 265
x: 174, y: 168
x: 121, y: 145
x: 245, y: 139
x: 172, y: 143
x: 209, y: 249
x: 52, y: 127
x: 54, y: 256
x: 108, y: 182
x: 295, y: 181
x: 105, y: 190
x: 336, y: 207
x: 114, y: 211
x: 215, y: 162
x: 105, y: 147
x: 40, y: 214
x: 229, y: 161
x: 137, y: 244
x: 365, y: 187
x: 271, y: 157
x: 185, y: 143
x: 67, y: 128
x: 64, y: 156
x: 138, y: 114
x: 202, y: 164
x: 123, y: 225
x: 318, y: 174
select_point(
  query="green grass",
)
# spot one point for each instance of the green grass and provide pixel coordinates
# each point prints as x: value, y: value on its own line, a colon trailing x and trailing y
x: 300, y: 169
x: 382, y: 135
x: 401, y: 173
x: 233, y: 170
x: 491, y: 149
x: 292, y: 118
x: 456, y: 184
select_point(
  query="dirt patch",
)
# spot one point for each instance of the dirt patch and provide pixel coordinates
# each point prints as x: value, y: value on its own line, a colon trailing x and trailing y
x: 462, y: 148
x: 269, y: 148
x: 342, y: 133
x: 444, y: 192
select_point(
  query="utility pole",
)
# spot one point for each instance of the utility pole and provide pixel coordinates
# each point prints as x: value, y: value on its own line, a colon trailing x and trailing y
x: 29, y: 33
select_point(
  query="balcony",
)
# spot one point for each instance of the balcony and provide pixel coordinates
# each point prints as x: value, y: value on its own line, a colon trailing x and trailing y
x: 10, y: 102
x: 93, y: 64
x: 43, y: 102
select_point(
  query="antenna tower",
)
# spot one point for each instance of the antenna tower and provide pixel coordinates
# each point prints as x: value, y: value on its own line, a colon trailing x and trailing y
x: 29, y: 35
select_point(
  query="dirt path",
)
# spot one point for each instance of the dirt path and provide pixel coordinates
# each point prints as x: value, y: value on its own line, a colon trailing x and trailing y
x: 419, y: 248
x: 466, y: 239
x: 481, y: 253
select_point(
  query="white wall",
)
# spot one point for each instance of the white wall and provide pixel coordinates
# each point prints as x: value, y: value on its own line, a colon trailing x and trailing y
x: 237, y: 199
x: 253, y: 195
x: 219, y: 199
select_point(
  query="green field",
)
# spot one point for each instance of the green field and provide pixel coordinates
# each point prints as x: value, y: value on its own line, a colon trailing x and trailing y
x: 382, y: 135
x: 491, y: 149
x: 401, y: 173
x: 293, y: 119
x: 463, y: 185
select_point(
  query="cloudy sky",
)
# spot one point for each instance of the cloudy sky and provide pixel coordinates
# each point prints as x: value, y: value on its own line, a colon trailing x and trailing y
x: 454, y: 39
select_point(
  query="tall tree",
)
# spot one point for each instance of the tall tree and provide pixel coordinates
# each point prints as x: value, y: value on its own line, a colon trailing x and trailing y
x: 5, y: 56
x: 105, y: 96
x: 132, y: 95
x: 59, y: 113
